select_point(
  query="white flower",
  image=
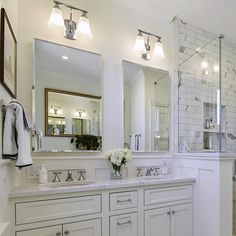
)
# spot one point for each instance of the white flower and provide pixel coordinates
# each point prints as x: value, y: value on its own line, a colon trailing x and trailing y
x: 119, y: 157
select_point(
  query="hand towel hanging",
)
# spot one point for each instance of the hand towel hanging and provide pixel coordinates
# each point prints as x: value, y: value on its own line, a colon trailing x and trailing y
x: 16, y: 135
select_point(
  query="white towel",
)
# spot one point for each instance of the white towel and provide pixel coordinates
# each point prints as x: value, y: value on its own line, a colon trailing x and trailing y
x: 16, y: 135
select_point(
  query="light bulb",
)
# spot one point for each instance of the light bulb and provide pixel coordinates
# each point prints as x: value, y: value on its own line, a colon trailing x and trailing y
x: 84, y: 26
x: 56, y: 17
x: 204, y: 65
x: 158, y: 50
x: 140, y: 44
x: 216, y: 68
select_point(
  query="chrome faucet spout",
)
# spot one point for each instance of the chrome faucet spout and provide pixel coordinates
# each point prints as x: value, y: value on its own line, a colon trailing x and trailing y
x: 69, y: 176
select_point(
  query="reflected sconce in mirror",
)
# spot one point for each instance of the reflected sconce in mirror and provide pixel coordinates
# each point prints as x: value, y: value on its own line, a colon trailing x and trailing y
x: 80, y: 113
x: 55, y: 110
x: 144, y: 47
x: 71, y: 28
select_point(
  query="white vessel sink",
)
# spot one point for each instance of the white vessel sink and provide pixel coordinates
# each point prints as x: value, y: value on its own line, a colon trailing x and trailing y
x: 67, y: 184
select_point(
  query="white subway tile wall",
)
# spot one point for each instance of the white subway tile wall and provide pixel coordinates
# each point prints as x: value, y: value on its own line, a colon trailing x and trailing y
x: 197, y: 90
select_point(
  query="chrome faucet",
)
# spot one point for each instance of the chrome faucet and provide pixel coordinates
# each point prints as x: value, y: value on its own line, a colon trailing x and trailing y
x: 149, y: 171
x: 69, y: 176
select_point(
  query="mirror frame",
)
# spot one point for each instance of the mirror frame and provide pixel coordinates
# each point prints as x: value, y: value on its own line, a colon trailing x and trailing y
x: 46, y: 91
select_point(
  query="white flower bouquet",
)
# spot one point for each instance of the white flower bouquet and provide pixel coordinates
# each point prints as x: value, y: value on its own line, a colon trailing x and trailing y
x: 118, y: 158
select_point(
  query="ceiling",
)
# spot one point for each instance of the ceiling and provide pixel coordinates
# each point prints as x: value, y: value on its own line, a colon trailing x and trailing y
x: 132, y: 70
x: 216, y: 16
x: 48, y: 59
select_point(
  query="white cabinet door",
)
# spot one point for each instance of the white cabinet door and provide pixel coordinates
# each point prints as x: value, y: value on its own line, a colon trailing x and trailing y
x: 83, y: 228
x: 46, y: 231
x: 124, y: 225
x: 181, y: 220
x: 157, y: 222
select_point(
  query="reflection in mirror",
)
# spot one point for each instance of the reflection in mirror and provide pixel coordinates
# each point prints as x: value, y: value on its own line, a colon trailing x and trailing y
x: 81, y: 113
x: 146, y: 108
x: 66, y: 98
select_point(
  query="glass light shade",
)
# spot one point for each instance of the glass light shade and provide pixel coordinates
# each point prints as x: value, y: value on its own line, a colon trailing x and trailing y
x: 216, y: 68
x: 84, y: 26
x: 140, y: 44
x: 158, y: 50
x: 59, y: 112
x: 51, y: 110
x: 204, y: 65
x: 56, y: 17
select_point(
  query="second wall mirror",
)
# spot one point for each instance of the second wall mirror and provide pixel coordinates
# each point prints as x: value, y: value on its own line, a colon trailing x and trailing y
x: 146, y: 108
x: 67, y: 98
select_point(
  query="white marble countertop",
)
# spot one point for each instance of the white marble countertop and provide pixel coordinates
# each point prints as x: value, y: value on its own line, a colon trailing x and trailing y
x: 39, y: 190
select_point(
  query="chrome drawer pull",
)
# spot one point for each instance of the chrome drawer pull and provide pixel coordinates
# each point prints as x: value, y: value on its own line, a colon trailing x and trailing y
x: 120, y: 201
x: 124, y: 223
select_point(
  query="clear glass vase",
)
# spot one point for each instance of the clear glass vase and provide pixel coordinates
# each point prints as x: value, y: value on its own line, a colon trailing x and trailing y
x: 116, y: 172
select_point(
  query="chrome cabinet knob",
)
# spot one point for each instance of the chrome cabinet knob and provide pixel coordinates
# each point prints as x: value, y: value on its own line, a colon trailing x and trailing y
x: 168, y: 212
x: 58, y: 234
x: 67, y: 232
x: 173, y: 212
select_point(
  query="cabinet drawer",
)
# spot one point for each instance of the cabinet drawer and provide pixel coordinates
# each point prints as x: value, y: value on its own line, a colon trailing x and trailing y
x: 30, y: 212
x: 124, y: 225
x: 47, y: 231
x: 123, y: 200
x: 161, y: 195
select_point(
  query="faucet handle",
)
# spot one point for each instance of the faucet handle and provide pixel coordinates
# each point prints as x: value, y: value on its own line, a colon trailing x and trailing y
x: 139, y: 172
x: 82, y: 174
x: 56, y: 176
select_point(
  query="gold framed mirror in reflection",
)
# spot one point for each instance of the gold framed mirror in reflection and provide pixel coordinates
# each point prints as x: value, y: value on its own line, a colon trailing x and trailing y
x: 69, y: 114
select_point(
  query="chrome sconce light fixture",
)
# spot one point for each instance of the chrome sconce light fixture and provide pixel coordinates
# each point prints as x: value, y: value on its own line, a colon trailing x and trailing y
x: 55, y: 110
x: 80, y: 112
x: 71, y: 28
x: 144, y: 47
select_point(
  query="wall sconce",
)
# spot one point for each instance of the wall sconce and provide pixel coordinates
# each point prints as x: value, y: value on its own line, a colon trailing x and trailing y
x: 69, y: 25
x: 56, y: 110
x: 145, y: 48
x: 80, y: 113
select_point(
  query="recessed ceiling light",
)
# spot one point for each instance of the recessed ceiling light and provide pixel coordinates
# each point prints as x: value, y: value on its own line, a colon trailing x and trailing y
x: 65, y: 57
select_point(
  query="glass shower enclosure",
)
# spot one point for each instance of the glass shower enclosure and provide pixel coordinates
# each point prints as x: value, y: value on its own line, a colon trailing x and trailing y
x: 206, y: 94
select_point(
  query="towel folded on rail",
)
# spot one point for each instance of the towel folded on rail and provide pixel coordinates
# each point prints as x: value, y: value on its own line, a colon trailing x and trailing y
x: 16, y: 135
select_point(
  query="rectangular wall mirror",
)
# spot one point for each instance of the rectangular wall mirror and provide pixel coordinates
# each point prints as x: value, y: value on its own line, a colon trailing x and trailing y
x: 67, y: 98
x: 146, y: 108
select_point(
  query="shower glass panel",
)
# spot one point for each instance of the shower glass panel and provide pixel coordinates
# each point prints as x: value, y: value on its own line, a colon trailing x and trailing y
x: 201, y: 116
x: 228, y: 88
